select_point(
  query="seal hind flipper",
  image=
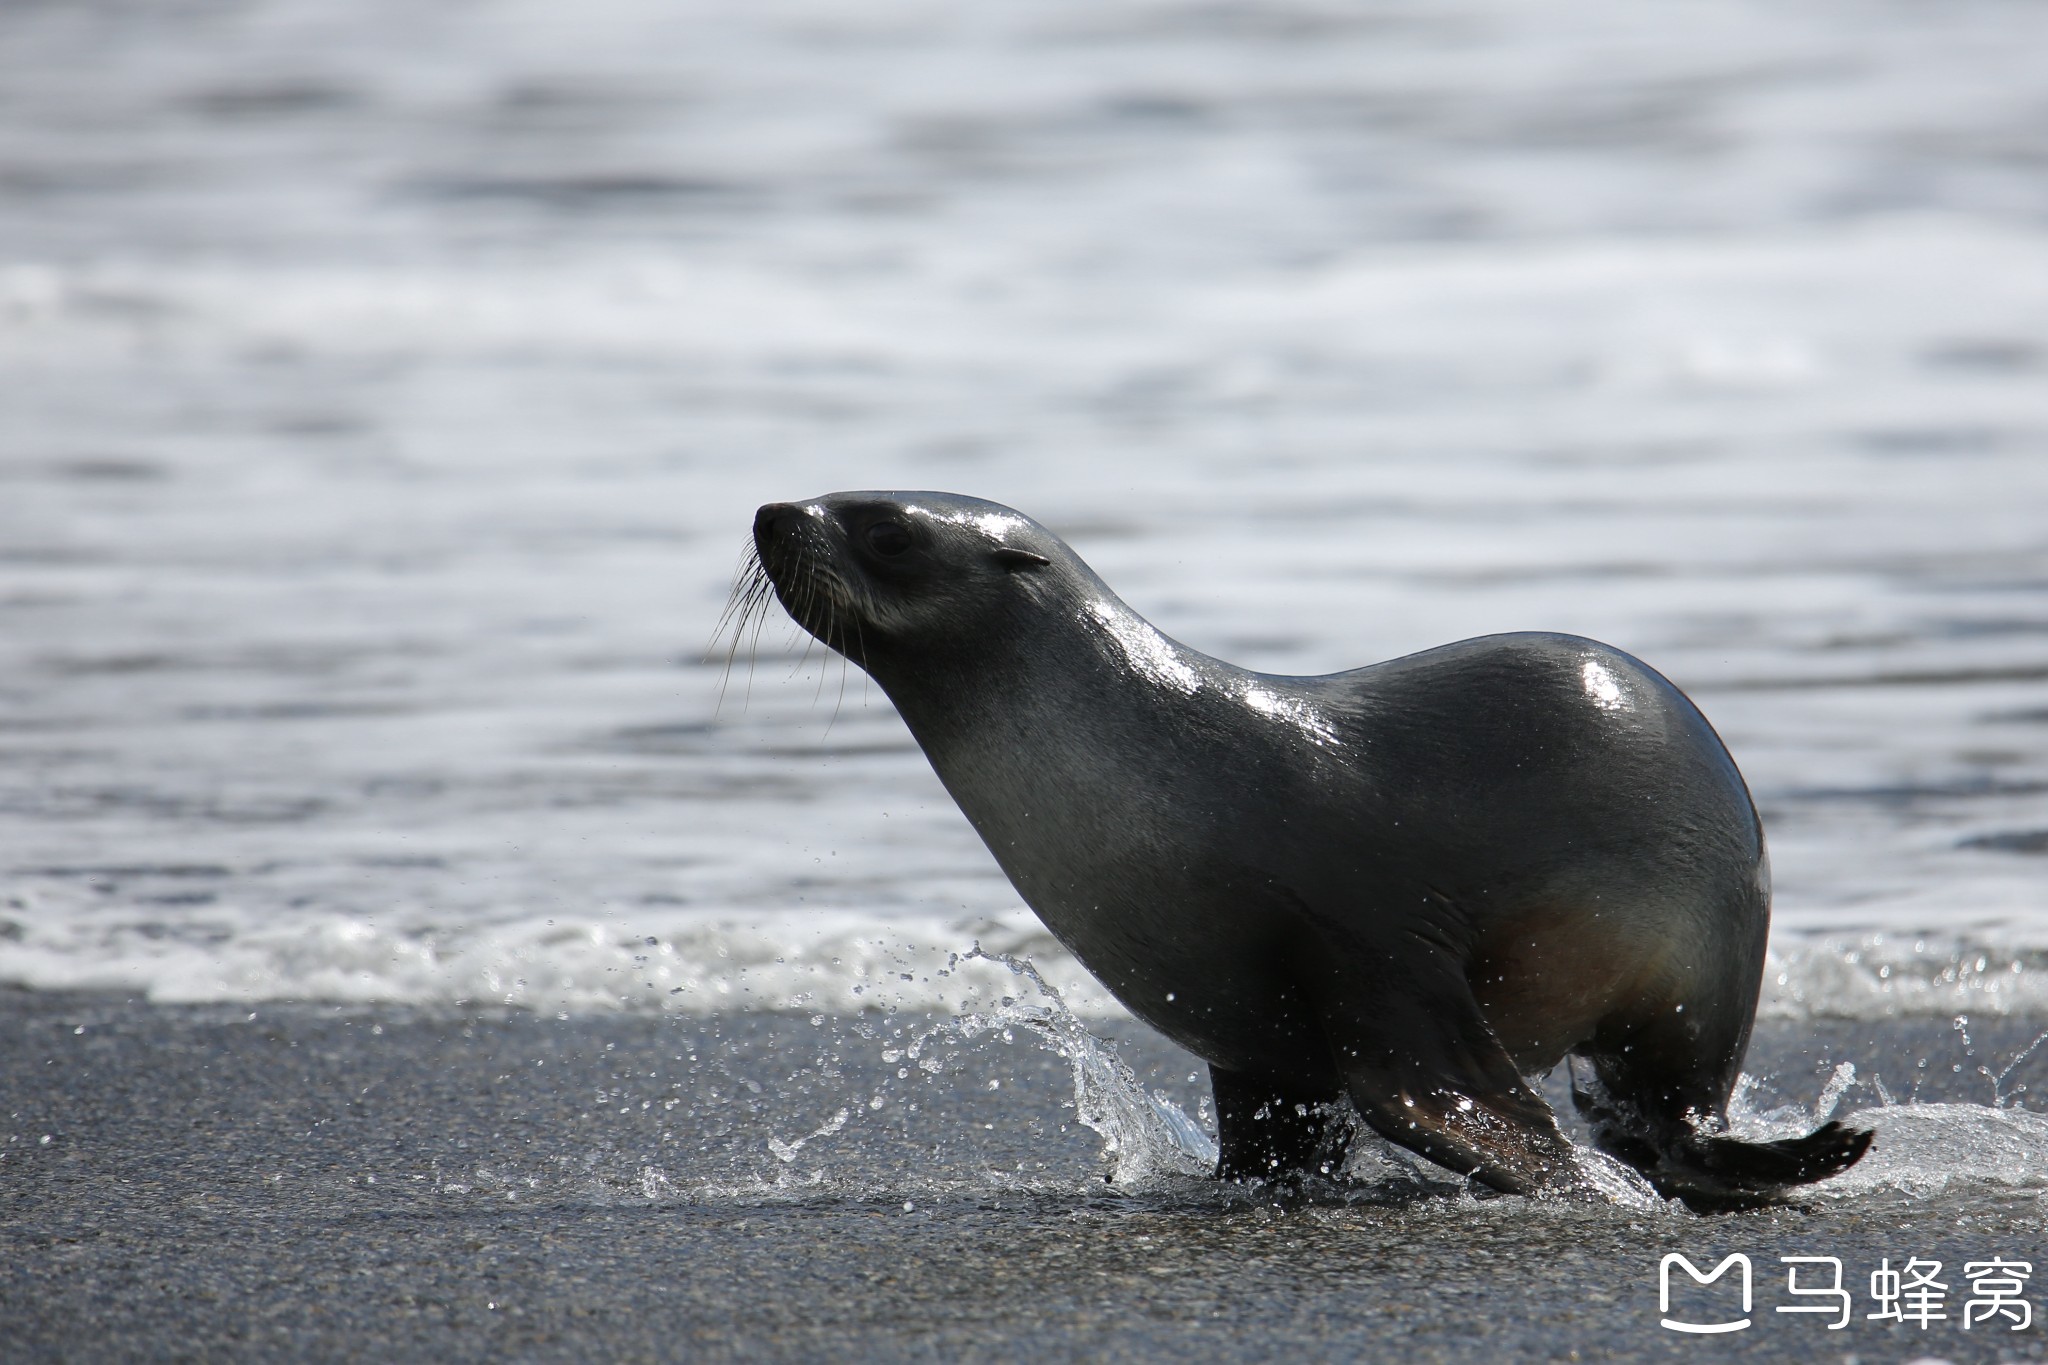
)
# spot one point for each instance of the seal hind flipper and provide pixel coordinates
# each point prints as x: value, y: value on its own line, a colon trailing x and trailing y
x: 1425, y: 1070
x: 1718, y: 1173
x: 1501, y: 1134
x: 1662, y: 1071
x: 1714, y: 1173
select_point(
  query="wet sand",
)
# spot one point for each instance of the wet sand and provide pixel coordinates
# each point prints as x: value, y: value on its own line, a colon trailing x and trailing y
x: 312, y: 1183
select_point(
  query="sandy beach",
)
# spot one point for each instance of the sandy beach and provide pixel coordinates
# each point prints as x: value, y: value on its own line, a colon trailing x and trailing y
x: 314, y: 1184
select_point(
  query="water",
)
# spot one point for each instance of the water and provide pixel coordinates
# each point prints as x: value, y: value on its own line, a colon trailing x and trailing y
x: 384, y: 397
x: 382, y: 419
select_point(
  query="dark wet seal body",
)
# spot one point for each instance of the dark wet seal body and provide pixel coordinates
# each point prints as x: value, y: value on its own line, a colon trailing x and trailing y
x: 1412, y: 884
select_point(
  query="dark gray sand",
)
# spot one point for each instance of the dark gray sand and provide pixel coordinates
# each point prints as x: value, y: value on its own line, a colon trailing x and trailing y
x: 313, y: 1183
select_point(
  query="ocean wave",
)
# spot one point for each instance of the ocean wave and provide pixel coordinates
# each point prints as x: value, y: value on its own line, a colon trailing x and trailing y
x: 832, y: 962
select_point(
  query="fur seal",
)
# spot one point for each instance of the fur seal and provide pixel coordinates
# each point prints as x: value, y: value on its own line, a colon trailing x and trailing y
x: 1413, y: 884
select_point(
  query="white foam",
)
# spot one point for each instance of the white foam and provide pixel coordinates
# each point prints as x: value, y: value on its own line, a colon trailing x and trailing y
x: 831, y: 961
x: 1881, y: 976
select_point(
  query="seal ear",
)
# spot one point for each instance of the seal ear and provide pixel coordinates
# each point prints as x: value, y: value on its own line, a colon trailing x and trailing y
x: 1012, y: 558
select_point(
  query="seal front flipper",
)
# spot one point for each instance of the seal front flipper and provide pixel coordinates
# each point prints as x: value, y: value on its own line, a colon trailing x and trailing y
x: 1423, y: 1068
x: 1268, y: 1128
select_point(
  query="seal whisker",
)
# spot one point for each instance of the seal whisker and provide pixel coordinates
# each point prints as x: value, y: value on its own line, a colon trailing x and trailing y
x: 754, y: 644
x: 758, y: 608
x: 747, y: 580
x: 860, y: 639
x: 830, y: 635
x: 837, y: 641
x: 828, y: 608
x: 821, y: 598
x: 845, y: 666
x: 751, y: 590
x: 807, y: 602
x: 802, y: 658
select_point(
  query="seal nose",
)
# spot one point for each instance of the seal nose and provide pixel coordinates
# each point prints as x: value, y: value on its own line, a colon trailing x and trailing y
x: 774, y: 521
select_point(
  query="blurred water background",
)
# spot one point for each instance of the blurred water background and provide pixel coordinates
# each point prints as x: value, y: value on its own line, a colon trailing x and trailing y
x: 385, y: 391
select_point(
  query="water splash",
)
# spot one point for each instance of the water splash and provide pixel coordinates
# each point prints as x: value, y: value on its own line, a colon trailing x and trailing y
x: 1146, y: 1137
x: 1923, y: 1149
x: 1919, y: 1149
x: 786, y: 1152
x: 1838, y: 1085
x: 1998, y: 1079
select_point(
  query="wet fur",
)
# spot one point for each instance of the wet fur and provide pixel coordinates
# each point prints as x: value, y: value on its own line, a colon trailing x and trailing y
x: 1411, y: 885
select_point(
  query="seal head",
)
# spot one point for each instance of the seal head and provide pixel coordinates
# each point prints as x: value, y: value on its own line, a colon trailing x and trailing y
x: 898, y: 572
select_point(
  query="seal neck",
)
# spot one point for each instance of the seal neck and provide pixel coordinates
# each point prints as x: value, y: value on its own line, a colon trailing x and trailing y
x: 1056, y: 689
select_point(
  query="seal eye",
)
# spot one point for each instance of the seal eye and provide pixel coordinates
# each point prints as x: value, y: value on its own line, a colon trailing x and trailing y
x: 887, y: 539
